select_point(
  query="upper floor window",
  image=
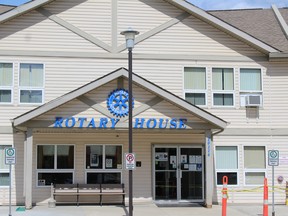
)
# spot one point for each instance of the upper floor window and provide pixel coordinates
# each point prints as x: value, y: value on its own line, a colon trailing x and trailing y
x: 250, y: 87
x: 250, y: 80
x: 223, y: 86
x: 31, y: 83
x: 195, y: 85
x: 6, y: 82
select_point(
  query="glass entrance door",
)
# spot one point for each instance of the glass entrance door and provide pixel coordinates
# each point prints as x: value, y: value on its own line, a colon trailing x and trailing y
x: 178, y: 173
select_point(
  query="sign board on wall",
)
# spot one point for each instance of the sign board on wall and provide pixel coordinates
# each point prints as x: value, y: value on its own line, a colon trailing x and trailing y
x: 273, y: 158
x: 130, y: 161
x: 10, y: 156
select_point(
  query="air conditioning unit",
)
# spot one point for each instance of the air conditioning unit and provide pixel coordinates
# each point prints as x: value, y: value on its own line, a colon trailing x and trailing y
x: 253, y: 100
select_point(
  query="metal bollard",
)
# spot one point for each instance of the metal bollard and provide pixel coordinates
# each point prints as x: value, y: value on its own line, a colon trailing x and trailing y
x: 224, y: 195
x: 265, y: 198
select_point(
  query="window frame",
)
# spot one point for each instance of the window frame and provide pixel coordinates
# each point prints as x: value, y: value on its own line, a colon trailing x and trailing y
x: 55, y: 170
x: 244, y: 93
x: 11, y: 88
x: 254, y: 170
x: 204, y: 91
x: 228, y: 170
x: 5, y: 170
x: 229, y: 92
x: 103, y: 169
x: 29, y: 88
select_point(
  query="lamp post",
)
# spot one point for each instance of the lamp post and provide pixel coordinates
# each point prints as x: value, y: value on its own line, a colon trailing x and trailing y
x: 130, y: 37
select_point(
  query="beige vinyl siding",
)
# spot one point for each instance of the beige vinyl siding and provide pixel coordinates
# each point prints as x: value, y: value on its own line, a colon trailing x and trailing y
x: 144, y: 15
x: 236, y: 193
x: 97, y: 19
x: 34, y: 32
x: 143, y: 148
x: 16, y: 141
x: 197, y: 37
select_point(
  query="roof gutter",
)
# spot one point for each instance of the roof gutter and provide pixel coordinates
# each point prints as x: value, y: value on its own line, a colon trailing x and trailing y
x: 278, y: 57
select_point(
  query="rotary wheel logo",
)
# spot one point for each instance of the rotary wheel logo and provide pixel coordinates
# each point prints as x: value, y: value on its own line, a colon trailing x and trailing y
x: 118, y: 102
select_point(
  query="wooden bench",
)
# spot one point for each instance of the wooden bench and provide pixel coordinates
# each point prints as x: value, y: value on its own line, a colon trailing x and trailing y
x: 76, y: 191
x: 113, y: 190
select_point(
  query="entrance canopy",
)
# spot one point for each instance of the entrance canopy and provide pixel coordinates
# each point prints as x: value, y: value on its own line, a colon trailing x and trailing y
x: 103, y: 104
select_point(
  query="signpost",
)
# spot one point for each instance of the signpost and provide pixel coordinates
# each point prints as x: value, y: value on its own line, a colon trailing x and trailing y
x: 273, y: 160
x: 10, y: 158
x: 130, y: 161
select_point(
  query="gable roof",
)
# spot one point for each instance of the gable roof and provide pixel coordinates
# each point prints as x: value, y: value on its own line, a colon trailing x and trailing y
x: 182, y: 4
x: 259, y: 23
x: 217, y: 122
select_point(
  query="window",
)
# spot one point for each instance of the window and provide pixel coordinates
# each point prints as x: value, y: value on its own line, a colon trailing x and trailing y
x: 223, y: 86
x: 227, y: 164
x: 55, y: 164
x: 103, y: 164
x: 250, y: 85
x: 31, y: 83
x: 195, y: 85
x: 4, y: 169
x: 6, y: 82
x: 250, y: 80
x: 254, y: 165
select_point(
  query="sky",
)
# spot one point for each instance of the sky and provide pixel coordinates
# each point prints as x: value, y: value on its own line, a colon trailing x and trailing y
x: 207, y: 4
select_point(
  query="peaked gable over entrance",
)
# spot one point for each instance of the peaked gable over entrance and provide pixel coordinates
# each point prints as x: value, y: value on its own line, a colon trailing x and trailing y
x: 152, y: 106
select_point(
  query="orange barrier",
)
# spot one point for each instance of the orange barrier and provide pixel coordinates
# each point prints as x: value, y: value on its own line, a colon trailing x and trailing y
x: 224, y: 195
x: 265, y: 197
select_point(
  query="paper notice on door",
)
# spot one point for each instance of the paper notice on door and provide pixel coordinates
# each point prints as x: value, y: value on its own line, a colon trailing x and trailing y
x: 192, y: 159
x: 183, y: 158
x: 192, y: 167
x: 161, y: 156
x: 173, y: 159
x: 199, y: 159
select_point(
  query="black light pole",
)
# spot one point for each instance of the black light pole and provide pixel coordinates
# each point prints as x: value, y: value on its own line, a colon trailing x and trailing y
x: 130, y: 37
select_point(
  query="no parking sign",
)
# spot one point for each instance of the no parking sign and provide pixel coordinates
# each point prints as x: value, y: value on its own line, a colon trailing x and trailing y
x: 130, y: 161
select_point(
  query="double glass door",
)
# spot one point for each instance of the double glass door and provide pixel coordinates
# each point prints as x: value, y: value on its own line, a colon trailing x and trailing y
x: 178, y: 173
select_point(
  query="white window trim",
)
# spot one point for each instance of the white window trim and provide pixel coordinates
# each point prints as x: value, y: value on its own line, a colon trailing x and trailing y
x: 9, y: 87
x: 203, y: 91
x: 52, y: 171
x: 228, y: 170
x: 27, y: 88
x: 104, y: 170
x: 103, y: 159
x: 55, y: 170
x: 223, y: 92
x: 250, y: 91
x: 253, y: 170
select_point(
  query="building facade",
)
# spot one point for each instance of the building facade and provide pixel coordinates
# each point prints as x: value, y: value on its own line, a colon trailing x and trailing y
x: 209, y: 99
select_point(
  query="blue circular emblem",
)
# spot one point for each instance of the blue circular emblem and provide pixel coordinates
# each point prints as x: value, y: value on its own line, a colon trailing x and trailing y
x: 118, y: 102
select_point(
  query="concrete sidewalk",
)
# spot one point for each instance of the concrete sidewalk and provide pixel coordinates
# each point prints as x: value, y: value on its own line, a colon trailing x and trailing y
x: 148, y: 209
